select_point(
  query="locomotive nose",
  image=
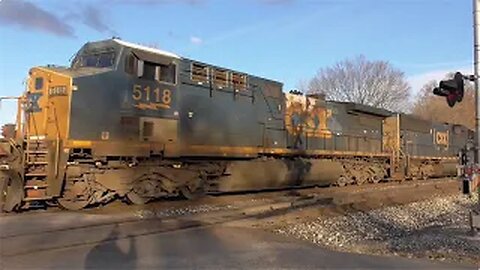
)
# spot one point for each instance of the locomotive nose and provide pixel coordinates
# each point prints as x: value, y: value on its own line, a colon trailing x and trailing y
x: 47, y: 102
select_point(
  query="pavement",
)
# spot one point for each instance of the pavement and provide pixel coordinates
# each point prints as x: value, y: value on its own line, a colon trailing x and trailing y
x: 210, y: 247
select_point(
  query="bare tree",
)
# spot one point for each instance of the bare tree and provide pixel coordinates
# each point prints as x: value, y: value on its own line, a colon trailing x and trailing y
x: 431, y: 107
x: 374, y: 83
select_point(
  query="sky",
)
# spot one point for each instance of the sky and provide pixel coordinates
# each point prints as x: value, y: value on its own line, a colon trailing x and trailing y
x: 284, y: 40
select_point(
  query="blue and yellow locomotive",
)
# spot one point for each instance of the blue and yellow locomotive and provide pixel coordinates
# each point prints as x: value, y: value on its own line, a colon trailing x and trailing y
x: 137, y: 123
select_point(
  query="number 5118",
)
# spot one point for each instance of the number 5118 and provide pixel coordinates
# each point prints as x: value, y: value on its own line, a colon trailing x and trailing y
x: 145, y: 94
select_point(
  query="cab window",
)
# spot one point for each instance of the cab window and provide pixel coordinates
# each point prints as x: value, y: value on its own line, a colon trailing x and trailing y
x: 100, y: 60
x: 38, y: 83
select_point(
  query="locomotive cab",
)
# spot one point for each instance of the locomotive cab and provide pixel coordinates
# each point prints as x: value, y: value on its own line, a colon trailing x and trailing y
x: 49, y: 106
x: 115, y: 101
x: 80, y: 104
x: 51, y: 90
x: 141, y: 87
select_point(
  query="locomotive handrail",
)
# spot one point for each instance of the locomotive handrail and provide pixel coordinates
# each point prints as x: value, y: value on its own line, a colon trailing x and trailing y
x: 9, y: 98
x: 57, y: 144
x: 20, y: 100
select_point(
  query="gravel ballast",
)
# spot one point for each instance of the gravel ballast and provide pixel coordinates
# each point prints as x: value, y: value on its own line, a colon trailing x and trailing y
x: 437, y: 229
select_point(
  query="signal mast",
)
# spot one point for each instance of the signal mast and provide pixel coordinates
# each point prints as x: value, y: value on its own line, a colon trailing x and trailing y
x: 453, y: 91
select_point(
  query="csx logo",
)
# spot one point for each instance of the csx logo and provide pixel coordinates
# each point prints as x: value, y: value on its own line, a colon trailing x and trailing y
x: 441, y: 138
x: 32, y: 102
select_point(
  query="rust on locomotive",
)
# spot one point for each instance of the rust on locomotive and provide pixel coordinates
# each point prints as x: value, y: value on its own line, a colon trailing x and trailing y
x: 307, y: 115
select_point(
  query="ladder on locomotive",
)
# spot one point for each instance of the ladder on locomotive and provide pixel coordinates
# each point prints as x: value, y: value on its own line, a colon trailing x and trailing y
x: 36, y: 167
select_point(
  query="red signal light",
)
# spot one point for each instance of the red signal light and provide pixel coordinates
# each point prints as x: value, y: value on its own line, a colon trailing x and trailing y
x: 453, y: 89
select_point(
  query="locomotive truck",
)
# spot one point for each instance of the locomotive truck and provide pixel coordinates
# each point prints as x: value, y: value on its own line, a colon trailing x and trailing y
x: 130, y: 122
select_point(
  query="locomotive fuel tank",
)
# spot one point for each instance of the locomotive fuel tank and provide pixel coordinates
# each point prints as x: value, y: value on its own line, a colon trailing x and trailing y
x: 278, y: 173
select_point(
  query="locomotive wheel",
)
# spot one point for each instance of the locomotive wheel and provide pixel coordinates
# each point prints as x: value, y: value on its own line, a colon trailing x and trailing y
x: 191, y: 195
x: 52, y: 203
x: 375, y: 179
x: 75, y: 197
x: 362, y: 179
x: 135, y: 198
x: 342, y: 181
x: 3, y: 190
x: 140, y: 193
x: 193, y: 191
x: 72, y: 204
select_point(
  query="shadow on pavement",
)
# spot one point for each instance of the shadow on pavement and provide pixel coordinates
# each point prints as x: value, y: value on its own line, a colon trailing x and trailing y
x: 108, y: 255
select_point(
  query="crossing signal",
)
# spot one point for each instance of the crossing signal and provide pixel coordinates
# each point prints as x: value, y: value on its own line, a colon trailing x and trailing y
x: 451, y: 89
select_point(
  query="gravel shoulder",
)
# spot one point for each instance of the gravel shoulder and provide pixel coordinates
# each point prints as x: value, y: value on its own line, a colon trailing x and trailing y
x: 425, y: 220
x: 436, y: 228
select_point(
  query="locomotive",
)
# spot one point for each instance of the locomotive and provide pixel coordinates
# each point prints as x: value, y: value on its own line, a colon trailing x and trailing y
x: 130, y: 122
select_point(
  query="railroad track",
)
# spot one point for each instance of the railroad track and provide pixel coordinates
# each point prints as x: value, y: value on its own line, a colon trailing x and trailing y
x: 349, y: 188
x: 265, y: 193
x: 98, y: 226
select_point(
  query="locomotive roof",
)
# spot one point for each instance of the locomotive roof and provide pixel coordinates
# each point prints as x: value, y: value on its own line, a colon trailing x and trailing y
x: 145, y: 48
x: 351, y: 106
x: 169, y: 54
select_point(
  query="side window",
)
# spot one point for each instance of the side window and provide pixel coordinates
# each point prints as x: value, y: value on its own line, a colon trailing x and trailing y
x: 239, y: 81
x: 151, y: 71
x: 130, y: 64
x: 168, y: 73
x: 199, y: 73
x: 221, y: 78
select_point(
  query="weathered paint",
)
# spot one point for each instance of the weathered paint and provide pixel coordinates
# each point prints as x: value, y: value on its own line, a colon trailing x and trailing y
x: 107, y: 106
x: 112, y: 108
x: 226, y: 118
x: 307, y: 115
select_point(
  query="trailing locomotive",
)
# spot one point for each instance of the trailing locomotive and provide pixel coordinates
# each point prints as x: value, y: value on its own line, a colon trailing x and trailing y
x: 131, y: 122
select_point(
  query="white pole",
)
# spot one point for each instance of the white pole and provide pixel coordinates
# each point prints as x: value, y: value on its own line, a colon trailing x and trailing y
x: 475, y: 216
x: 476, y: 54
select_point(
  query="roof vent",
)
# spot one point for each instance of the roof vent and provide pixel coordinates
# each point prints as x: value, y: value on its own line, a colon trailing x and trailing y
x: 296, y: 92
x: 319, y: 96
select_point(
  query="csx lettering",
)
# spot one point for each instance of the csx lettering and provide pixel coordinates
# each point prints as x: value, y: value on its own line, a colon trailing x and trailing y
x: 441, y: 138
x: 148, y: 98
